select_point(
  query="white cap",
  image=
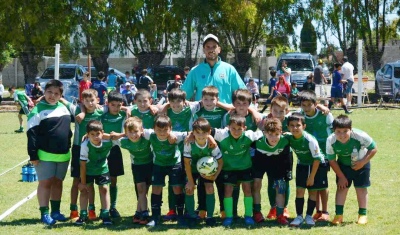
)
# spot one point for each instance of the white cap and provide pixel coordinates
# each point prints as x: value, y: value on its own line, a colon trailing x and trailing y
x: 127, y: 84
x: 209, y: 37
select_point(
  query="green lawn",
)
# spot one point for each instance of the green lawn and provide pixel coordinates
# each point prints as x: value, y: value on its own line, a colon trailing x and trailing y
x: 382, y: 125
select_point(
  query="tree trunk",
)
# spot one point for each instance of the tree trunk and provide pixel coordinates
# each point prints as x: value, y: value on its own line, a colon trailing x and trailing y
x: 147, y: 59
x: 100, y: 62
x: 29, y: 63
x: 242, y: 62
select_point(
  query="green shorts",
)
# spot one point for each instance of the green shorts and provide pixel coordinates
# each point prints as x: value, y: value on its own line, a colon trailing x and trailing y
x: 239, y: 176
x: 142, y: 173
x: 320, y: 180
x: 175, y: 174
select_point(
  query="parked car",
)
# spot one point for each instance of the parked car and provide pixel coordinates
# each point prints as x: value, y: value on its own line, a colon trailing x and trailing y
x: 162, y: 73
x: 388, y: 74
x: 93, y: 72
x: 69, y: 74
x: 301, y: 65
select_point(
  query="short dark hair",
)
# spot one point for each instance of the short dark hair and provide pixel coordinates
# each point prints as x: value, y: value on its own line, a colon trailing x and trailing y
x: 201, y: 124
x: 162, y: 121
x: 143, y: 93
x: 296, y: 117
x: 101, y: 75
x: 342, y: 121
x: 345, y: 59
x: 115, y: 96
x: 94, y: 125
x: 242, y: 95
x: 111, y: 70
x: 308, y: 96
x: 272, y: 125
x: 177, y: 94
x: 238, y: 120
x: 272, y: 73
x: 55, y: 83
x: 337, y: 65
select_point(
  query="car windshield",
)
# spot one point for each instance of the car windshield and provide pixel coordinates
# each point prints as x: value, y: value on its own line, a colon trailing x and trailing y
x: 65, y: 73
x: 396, y: 72
x: 298, y: 64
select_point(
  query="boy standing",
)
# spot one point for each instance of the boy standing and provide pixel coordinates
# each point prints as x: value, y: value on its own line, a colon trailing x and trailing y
x: 142, y: 110
x: 337, y: 89
x: 100, y: 86
x: 84, y: 84
x: 94, y: 169
x: 354, y: 149
x: 21, y: 99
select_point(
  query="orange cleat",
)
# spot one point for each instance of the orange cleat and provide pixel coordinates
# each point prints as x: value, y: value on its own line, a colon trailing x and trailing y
x: 74, y: 215
x: 222, y: 215
x: 317, y: 215
x: 323, y: 218
x: 286, y: 212
x: 258, y: 217
x: 272, y: 213
x: 92, y: 215
x: 202, y: 214
x: 337, y: 220
x: 282, y: 220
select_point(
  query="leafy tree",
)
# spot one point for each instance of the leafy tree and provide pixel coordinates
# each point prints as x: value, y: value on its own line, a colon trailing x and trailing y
x: 308, y: 38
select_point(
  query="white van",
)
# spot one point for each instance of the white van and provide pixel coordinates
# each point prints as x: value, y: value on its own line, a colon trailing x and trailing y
x: 387, y: 80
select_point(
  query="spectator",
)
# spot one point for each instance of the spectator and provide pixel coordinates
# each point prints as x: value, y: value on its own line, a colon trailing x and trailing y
x: 319, y: 79
x: 100, y: 86
x: 282, y: 87
x: 1, y: 91
x: 37, y: 92
x: 130, y: 78
x: 176, y: 84
x: 272, y: 81
x: 186, y: 70
x: 337, y: 89
x: 111, y: 80
x: 144, y: 81
x: 309, y: 85
x: 128, y: 95
x: 285, y: 71
x: 84, y: 84
x: 252, y: 87
x: 348, y: 77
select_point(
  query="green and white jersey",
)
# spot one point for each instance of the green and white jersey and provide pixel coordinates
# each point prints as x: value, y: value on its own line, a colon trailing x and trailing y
x: 263, y: 147
x: 285, y: 123
x: 236, y: 152
x: 183, y: 120
x: 195, y: 152
x: 306, y: 148
x: 113, y: 122
x: 95, y: 156
x: 80, y: 128
x: 20, y: 97
x: 250, y: 123
x: 164, y: 153
x: 140, y: 151
x: 214, y: 117
x: 358, y: 139
x: 147, y: 117
x: 320, y: 126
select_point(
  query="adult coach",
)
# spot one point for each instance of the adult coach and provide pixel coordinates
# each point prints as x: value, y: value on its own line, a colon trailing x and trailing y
x: 347, y: 71
x: 213, y: 72
x: 319, y: 78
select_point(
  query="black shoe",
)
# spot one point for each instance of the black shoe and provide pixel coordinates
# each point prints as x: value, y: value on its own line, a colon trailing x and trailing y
x: 182, y: 221
x: 210, y: 222
x: 81, y: 221
x: 107, y: 221
x: 349, y: 112
x: 114, y: 213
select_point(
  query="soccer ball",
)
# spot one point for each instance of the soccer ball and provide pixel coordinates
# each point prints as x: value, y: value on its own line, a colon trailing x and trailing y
x: 207, y: 166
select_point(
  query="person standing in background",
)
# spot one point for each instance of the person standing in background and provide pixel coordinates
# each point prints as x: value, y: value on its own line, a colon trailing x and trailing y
x: 285, y: 71
x: 347, y: 76
x: 1, y: 91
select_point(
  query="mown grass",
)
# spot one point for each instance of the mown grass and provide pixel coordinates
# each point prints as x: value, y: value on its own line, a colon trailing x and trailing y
x: 382, y: 125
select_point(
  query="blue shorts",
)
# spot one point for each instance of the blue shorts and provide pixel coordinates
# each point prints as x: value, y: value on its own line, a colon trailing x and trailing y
x: 336, y: 92
x: 349, y: 86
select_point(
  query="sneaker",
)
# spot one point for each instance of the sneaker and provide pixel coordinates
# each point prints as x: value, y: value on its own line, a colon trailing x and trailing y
x: 258, y: 217
x: 152, y: 223
x: 337, y: 220
x: 20, y: 130
x: 74, y: 215
x: 211, y: 222
x: 282, y: 220
x: 47, y: 220
x: 362, y: 219
x: 227, y: 222
x: 222, y: 215
x: 81, y: 221
x: 136, y: 219
x: 92, y: 215
x: 107, y: 221
x: 114, y: 213
x: 171, y: 215
x: 58, y: 216
x: 144, y: 220
x: 286, y: 212
x: 297, y: 221
x: 349, y: 112
x: 248, y: 220
x: 309, y: 220
x: 324, y: 217
x: 272, y: 213
x: 202, y: 214
x: 317, y: 215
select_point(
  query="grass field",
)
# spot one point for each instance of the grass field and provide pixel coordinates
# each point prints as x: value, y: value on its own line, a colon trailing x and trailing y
x: 382, y: 125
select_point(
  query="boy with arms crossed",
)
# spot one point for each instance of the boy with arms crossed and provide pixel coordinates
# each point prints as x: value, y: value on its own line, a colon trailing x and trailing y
x: 343, y: 143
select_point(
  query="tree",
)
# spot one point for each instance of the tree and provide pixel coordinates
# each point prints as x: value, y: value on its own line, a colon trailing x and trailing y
x: 33, y: 28
x: 308, y: 38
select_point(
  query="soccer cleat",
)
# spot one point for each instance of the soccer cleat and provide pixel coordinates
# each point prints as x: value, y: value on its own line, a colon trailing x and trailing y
x: 324, y: 217
x: 58, y: 216
x: 92, y: 215
x: 227, y: 222
x: 107, y: 221
x: 171, y: 215
x: 74, y: 215
x: 144, y: 220
x: 362, y: 219
x: 152, y: 223
x: 282, y: 220
x: 211, y: 222
x: 114, y: 213
x: 297, y: 221
x: 309, y: 220
x: 337, y: 220
x: 248, y: 220
x: 20, y: 130
x: 317, y: 215
x: 81, y: 221
x: 202, y: 214
x: 46, y: 219
x: 349, y: 112
x: 222, y: 215
x: 272, y: 213
x: 286, y: 212
x: 258, y: 217
x: 136, y: 219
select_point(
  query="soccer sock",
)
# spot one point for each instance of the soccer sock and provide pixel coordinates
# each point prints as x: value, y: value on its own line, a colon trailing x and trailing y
x: 55, y: 206
x: 104, y: 213
x: 156, y: 206
x: 339, y: 209
x: 257, y: 207
x: 171, y: 198
x: 210, y: 204
x: 345, y: 108
x: 180, y: 203
x: 44, y: 210
x: 310, y: 206
x: 287, y: 193
x: 189, y: 204
x: 83, y: 214
x: 92, y: 207
x: 235, y: 196
x: 221, y: 191
x: 299, y: 205
x: 362, y: 211
x: 73, y: 207
x: 271, y: 192
x: 228, y: 205
x: 330, y: 104
x: 201, y: 196
x: 113, y: 196
x: 279, y: 210
x: 248, y: 206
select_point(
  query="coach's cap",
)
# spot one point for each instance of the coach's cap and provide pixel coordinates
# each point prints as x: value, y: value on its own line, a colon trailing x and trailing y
x: 210, y: 37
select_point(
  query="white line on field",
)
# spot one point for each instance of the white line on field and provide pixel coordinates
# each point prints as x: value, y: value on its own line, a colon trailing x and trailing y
x: 14, y: 167
x: 20, y: 203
